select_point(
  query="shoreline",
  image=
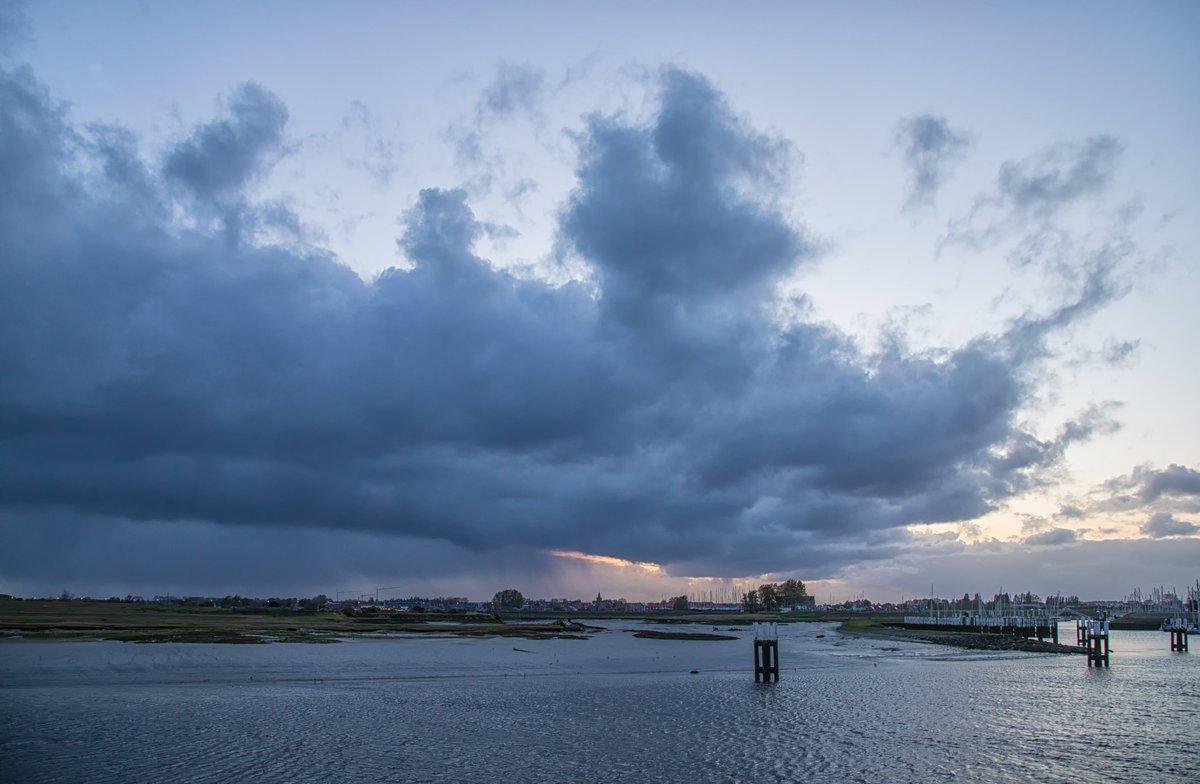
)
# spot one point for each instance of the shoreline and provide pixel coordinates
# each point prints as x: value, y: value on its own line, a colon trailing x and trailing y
x: 49, y: 620
x: 146, y: 623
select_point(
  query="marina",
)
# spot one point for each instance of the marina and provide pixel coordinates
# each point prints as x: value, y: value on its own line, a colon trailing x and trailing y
x: 1091, y: 634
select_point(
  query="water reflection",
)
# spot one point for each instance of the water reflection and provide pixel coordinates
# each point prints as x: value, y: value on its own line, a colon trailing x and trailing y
x: 612, y: 708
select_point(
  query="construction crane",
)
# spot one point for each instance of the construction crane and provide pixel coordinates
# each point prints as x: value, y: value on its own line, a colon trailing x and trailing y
x: 392, y: 588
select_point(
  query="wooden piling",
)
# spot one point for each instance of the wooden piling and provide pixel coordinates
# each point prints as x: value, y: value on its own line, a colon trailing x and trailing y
x: 766, y: 653
x: 1179, y: 639
x: 1096, y: 642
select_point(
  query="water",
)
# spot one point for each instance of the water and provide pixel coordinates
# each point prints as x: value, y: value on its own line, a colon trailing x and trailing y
x: 609, y: 709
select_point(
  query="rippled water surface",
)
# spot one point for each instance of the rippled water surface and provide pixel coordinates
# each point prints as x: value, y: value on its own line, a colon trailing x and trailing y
x: 612, y: 708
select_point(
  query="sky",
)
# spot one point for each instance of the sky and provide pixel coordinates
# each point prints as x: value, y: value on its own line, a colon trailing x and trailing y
x: 637, y: 299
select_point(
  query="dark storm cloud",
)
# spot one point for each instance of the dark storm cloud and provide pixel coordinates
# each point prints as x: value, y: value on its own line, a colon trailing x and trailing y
x: 1164, y: 524
x: 113, y: 556
x: 665, y: 215
x: 165, y: 371
x: 931, y: 149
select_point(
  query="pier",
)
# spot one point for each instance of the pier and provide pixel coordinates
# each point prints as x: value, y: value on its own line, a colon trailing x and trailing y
x: 766, y: 653
x: 1039, y: 626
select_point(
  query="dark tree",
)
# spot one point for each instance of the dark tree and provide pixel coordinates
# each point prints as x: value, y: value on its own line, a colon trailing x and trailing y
x: 768, y: 595
x: 773, y: 596
x: 680, y: 604
x: 508, y: 599
x: 315, y: 603
x: 791, y: 593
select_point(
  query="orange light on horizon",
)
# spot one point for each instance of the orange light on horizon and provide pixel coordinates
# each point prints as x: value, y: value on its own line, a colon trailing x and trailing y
x: 608, y: 560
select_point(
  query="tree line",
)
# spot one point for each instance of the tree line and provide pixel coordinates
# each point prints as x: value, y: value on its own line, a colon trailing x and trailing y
x: 774, y: 596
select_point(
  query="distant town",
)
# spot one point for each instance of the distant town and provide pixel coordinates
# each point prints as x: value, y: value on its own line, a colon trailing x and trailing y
x: 786, y: 597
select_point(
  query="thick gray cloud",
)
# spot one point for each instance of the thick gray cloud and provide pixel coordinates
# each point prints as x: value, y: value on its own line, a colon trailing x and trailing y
x: 1174, y: 480
x: 1163, y: 524
x: 166, y: 372
x: 931, y: 148
x: 112, y: 556
x: 1054, y: 536
x: 1174, y: 488
x: 667, y: 216
x: 1158, y: 496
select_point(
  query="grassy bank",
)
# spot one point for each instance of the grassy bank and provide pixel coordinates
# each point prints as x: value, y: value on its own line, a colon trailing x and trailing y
x: 144, y: 622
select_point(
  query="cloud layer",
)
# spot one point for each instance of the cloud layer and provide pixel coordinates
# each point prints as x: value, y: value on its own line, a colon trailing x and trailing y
x: 169, y: 360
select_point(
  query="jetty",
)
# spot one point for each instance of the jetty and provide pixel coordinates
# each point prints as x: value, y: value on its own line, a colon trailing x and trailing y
x: 1041, y: 626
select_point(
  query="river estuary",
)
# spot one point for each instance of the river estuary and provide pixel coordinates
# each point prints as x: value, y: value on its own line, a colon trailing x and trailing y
x: 608, y: 709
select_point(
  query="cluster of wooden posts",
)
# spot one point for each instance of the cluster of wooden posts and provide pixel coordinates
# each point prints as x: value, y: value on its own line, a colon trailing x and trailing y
x: 1179, y: 634
x: 1093, y: 636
